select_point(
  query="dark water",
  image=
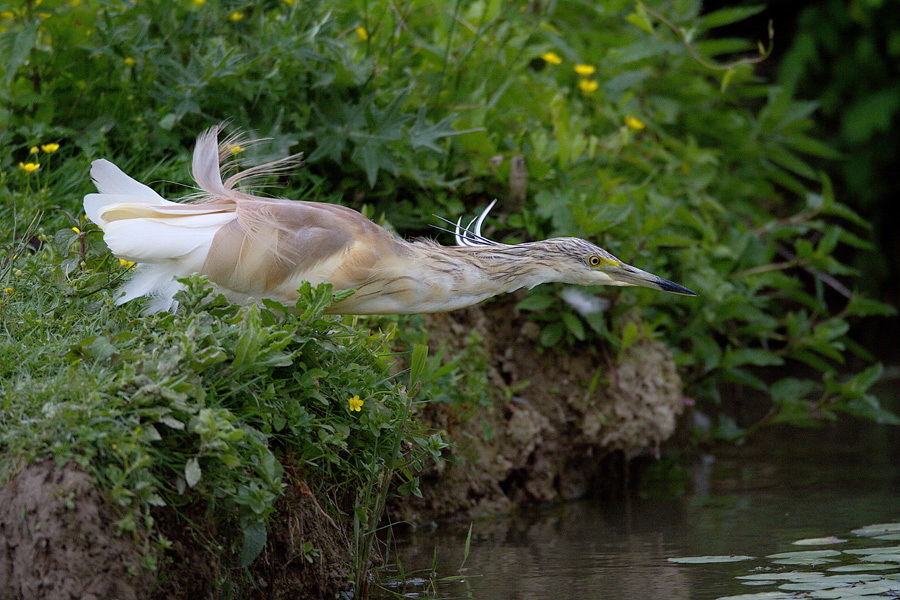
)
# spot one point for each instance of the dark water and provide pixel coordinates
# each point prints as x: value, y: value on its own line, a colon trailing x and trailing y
x: 785, y: 486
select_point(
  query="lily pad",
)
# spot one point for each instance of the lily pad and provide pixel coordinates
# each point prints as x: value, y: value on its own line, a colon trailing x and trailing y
x: 761, y: 596
x: 875, y: 550
x: 878, y: 529
x: 862, y: 590
x: 822, y: 541
x: 814, y: 586
x: 882, y: 558
x: 789, y: 575
x: 702, y: 560
x: 813, y: 561
x: 805, y: 554
x: 863, y: 567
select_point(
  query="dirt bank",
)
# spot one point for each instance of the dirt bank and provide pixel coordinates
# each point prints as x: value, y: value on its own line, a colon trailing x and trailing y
x: 57, y: 540
x: 552, y: 440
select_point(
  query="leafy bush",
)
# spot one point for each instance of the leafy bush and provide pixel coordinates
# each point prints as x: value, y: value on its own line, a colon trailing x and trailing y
x: 200, y: 405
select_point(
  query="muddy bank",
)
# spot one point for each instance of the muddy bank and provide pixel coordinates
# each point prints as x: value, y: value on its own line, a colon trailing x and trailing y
x: 58, y: 540
x: 555, y: 437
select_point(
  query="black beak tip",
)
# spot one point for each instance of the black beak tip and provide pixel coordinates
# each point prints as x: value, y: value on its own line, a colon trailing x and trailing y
x: 667, y: 286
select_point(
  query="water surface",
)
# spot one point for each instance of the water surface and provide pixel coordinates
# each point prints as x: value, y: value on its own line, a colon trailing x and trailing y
x: 785, y: 486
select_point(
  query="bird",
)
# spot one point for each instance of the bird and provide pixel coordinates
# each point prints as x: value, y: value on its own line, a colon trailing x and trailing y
x: 254, y: 246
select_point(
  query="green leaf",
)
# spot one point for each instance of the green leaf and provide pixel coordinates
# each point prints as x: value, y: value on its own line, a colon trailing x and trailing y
x: 574, y: 325
x: 639, y: 19
x: 255, y: 537
x: 552, y: 334
x: 863, y: 307
x: 791, y: 389
x: 629, y: 334
x: 727, y: 16
x: 15, y: 47
x: 192, y: 472
x: 417, y: 363
x: 536, y: 301
x: 751, y: 356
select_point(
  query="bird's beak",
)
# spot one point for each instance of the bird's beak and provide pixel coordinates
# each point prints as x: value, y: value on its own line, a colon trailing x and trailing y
x: 628, y: 275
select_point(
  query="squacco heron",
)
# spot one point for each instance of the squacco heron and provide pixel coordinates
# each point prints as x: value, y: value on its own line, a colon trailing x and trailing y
x: 258, y: 247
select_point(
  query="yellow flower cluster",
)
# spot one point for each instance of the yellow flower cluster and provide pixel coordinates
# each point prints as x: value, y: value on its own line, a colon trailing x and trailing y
x: 362, y: 34
x: 32, y: 165
x: 587, y: 86
x: 355, y: 403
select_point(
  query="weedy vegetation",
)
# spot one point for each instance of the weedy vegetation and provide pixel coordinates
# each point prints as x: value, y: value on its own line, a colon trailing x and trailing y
x: 595, y: 120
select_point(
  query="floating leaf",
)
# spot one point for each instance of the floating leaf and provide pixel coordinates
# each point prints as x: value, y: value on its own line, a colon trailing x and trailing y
x: 863, y: 567
x: 761, y: 596
x: 874, y: 550
x: 877, y: 529
x: 701, y: 560
x: 882, y: 558
x: 805, y: 554
x: 822, y: 541
x: 789, y: 575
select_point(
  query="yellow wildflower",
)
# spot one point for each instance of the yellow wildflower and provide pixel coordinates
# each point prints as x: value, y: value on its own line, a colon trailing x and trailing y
x: 30, y: 167
x: 7, y: 14
x: 8, y: 290
x: 75, y: 3
x: 33, y: 150
x: 587, y: 86
x: 129, y: 62
x: 585, y: 70
x: 236, y: 149
x: 551, y: 58
x: 362, y: 34
x: 198, y: 2
x: 76, y: 230
x: 236, y: 16
x: 49, y: 148
x: 289, y: 2
x: 126, y: 263
x: 634, y: 123
x: 44, y: 15
x: 355, y: 403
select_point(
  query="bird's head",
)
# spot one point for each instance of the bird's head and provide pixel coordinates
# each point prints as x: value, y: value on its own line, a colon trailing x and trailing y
x: 582, y: 263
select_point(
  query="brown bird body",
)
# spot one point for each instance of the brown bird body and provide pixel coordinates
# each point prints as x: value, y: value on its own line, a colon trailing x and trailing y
x: 257, y: 247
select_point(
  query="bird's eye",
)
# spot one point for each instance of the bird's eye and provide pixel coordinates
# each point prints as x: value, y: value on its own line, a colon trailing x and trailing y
x: 595, y: 261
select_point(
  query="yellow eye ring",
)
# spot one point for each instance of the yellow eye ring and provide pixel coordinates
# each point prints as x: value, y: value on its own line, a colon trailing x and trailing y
x: 595, y: 261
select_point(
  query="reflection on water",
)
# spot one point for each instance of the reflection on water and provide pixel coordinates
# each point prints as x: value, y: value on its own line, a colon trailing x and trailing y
x: 794, y: 484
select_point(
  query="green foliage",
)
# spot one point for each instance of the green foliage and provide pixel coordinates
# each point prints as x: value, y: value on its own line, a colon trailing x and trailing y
x: 202, y: 405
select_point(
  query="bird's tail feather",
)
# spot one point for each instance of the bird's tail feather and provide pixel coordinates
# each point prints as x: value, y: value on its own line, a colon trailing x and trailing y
x: 171, y: 240
x: 212, y: 159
